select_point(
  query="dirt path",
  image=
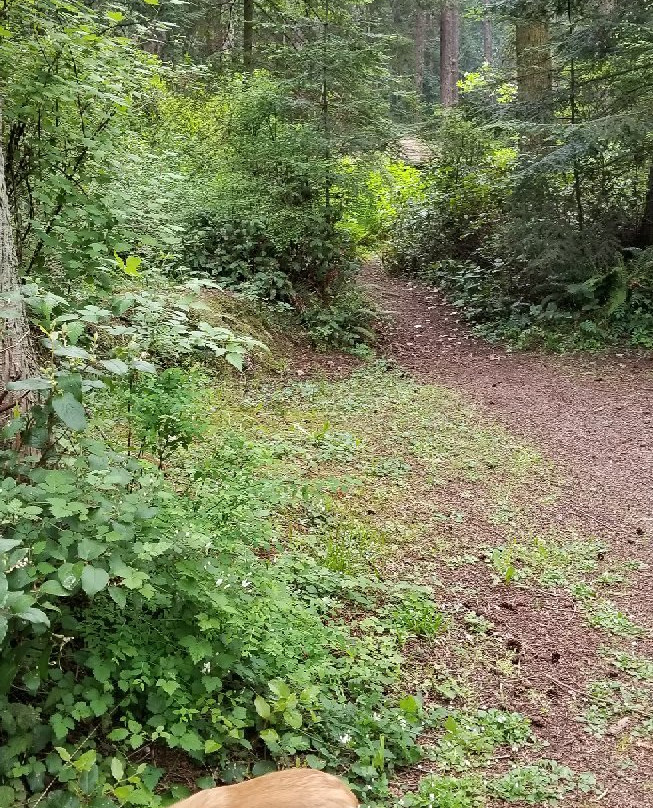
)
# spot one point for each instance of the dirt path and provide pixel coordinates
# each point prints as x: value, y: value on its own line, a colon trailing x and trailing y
x: 593, y: 418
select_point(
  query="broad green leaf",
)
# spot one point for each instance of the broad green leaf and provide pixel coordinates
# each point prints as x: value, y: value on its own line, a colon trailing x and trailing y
x: 133, y: 262
x: 53, y: 587
x: 142, y: 366
x: 8, y: 544
x: 89, y: 549
x: 88, y: 779
x: 70, y: 411
x: 117, y: 769
x: 263, y: 767
x: 116, y: 16
x: 74, y: 331
x: 409, y: 705
x: 191, y: 742
x: 35, y: 616
x: 85, y: 761
x: 116, y: 366
x: 18, y: 601
x: 94, y: 579
x: 262, y: 707
x: 315, y: 762
x: 211, y: 746
x: 72, y: 352
x: 235, y: 360
x: 293, y: 718
x: 118, y: 596
x: 7, y: 793
x: 169, y: 686
x: 270, y: 738
x: 35, y: 383
x: 279, y: 688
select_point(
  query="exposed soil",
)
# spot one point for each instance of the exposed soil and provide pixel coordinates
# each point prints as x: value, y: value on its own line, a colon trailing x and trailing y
x: 593, y: 418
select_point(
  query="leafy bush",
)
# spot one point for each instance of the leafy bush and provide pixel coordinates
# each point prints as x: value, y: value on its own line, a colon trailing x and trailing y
x: 495, y: 236
x: 132, y: 617
x: 544, y: 783
x: 260, y: 258
x: 347, y: 321
x: 129, y: 614
x: 163, y: 413
x: 237, y: 251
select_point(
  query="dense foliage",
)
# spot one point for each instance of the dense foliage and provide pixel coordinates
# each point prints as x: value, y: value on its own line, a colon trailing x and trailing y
x: 148, y: 607
x: 539, y: 226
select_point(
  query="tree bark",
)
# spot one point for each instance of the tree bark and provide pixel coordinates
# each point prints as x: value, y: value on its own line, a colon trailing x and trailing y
x: 488, y: 43
x: 421, y: 22
x: 644, y: 236
x: 248, y: 34
x: 214, y: 34
x: 534, y: 69
x: 18, y: 361
x: 449, y: 53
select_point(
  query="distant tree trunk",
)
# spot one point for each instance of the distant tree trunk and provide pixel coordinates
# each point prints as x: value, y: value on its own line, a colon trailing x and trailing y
x: 214, y: 35
x: 449, y: 52
x: 534, y: 69
x: 431, y: 56
x: 488, y: 44
x: 644, y: 236
x: 18, y: 360
x: 248, y: 34
x: 421, y: 23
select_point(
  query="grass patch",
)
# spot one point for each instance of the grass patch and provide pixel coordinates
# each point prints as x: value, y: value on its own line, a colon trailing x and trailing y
x: 355, y: 479
x: 615, y: 708
x: 548, y: 562
x: 606, y: 616
x: 544, y: 783
x: 635, y: 666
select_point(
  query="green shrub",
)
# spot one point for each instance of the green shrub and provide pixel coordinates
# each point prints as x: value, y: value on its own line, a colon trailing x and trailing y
x: 500, y: 239
x: 131, y: 616
x: 260, y: 257
x: 345, y: 322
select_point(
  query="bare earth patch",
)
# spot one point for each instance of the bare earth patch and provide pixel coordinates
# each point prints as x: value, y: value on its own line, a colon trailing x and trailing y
x: 545, y: 643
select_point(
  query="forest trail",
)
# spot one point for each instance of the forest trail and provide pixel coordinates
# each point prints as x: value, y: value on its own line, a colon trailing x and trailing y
x: 414, y: 151
x: 592, y: 414
x: 592, y: 418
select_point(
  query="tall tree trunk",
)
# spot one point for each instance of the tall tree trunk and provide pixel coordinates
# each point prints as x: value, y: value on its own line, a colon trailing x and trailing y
x: 488, y: 44
x: 214, y: 35
x: 421, y: 22
x: 18, y: 360
x: 534, y: 69
x: 644, y: 236
x: 248, y: 34
x: 449, y: 52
